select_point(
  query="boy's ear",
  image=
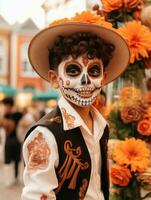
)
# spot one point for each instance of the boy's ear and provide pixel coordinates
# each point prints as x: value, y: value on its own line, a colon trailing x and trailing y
x: 53, y: 78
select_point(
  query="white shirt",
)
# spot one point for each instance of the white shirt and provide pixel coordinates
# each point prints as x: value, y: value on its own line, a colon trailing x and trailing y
x: 40, y: 153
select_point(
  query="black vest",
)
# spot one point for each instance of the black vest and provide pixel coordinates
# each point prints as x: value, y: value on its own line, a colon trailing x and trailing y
x: 74, y: 169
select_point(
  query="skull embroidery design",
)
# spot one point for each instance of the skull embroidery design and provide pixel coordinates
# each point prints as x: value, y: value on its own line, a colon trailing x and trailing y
x: 80, y: 79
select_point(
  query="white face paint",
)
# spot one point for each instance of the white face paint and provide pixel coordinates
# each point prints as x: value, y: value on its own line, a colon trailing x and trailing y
x: 80, y: 79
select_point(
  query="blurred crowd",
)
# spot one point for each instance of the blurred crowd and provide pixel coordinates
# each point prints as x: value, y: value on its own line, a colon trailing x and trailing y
x: 14, y: 123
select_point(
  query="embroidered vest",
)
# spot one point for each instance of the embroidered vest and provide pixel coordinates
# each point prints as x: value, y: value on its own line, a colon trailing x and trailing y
x: 74, y: 169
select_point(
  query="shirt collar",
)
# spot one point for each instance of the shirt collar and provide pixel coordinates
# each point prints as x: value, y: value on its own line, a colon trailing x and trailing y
x: 72, y: 119
x: 99, y: 122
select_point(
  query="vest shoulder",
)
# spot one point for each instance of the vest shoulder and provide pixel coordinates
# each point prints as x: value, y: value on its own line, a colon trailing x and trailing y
x: 52, y: 121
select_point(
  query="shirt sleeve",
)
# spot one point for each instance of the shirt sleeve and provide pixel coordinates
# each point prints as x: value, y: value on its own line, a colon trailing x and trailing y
x: 40, y: 155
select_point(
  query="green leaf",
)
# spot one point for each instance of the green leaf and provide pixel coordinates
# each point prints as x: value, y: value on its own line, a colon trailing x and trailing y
x: 115, y: 197
x: 118, y: 127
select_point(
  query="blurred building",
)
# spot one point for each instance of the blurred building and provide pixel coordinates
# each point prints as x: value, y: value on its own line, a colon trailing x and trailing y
x: 15, y: 68
x: 65, y: 8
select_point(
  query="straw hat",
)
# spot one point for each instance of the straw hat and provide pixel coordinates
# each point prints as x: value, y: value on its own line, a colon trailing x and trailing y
x: 44, y: 40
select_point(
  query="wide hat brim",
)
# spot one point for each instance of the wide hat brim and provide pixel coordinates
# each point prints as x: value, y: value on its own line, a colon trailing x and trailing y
x: 44, y: 40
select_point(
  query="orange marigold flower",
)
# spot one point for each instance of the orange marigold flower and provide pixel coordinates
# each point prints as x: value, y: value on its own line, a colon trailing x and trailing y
x: 131, y: 114
x: 59, y: 21
x: 85, y: 17
x: 120, y: 175
x: 132, y: 153
x: 110, y: 5
x: 130, y: 95
x: 138, y: 38
x: 132, y: 3
x: 89, y: 17
x: 144, y: 127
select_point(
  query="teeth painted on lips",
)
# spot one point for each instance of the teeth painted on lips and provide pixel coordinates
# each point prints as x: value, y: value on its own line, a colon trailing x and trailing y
x: 79, y: 89
x: 84, y: 89
x: 84, y: 99
x: 81, y: 102
x: 72, y: 91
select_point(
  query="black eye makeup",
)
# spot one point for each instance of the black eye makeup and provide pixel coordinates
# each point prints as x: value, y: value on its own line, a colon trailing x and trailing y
x: 95, y: 70
x: 73, y: 69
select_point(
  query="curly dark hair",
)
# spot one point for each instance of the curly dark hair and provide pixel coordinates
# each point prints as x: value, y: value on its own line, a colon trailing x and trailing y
x: 77, y: 44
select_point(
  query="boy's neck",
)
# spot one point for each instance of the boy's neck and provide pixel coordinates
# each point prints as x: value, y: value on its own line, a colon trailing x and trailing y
x: 85, y: 114
x: 83, y: 111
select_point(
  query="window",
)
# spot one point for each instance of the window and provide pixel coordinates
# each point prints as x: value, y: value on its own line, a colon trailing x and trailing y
x: 27, y: 69
x: 3, y: 57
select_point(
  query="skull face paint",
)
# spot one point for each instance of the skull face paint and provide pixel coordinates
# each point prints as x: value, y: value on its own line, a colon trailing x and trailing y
x: 80, y: 82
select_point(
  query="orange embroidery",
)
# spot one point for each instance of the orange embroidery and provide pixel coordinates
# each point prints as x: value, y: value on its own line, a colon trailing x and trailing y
x: 39, y: 153
x: 56, y: 119
x: 43, y: 197
x: 83, y: 189
x: 69, y: 118
x: 71, y: 166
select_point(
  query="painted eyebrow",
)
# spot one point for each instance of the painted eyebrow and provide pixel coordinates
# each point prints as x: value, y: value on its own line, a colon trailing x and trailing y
x: 73, y: 62
x: 95, y: 63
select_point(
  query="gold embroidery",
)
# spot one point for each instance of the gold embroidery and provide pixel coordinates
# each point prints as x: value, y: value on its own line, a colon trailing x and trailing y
x: 83, y: 189
x: 43, y: 197
x: 69, y: 118
x: 71, y: 166
x: 39, y: 153
x: 56, y: 119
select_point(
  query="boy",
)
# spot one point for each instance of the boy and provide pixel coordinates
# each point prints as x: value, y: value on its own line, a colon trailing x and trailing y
x: 66, y: 151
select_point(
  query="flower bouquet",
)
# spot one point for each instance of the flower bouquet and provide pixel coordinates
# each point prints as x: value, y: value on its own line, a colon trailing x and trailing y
x: 125, y: 16
x: 131, y: 159
x: 130, y: 127
x: 130, y: 114
x: 138, y: 38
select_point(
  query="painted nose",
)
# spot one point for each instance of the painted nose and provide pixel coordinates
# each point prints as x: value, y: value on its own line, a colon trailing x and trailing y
x: 85, y: 80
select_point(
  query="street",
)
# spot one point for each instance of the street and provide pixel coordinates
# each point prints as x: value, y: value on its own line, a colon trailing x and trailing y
x: 9, y: 193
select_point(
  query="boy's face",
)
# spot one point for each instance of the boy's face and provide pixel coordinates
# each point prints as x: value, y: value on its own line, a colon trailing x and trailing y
x: 80, y: 80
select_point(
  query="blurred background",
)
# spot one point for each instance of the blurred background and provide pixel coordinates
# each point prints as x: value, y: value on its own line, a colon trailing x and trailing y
x: 125, y: 103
